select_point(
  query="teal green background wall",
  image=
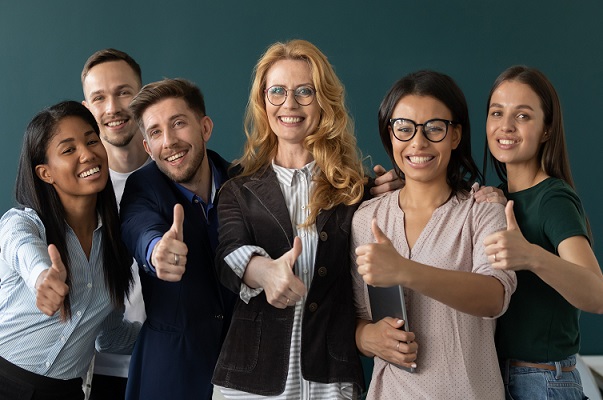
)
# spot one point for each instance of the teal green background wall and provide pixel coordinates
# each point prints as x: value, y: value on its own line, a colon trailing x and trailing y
x: 44, y: 44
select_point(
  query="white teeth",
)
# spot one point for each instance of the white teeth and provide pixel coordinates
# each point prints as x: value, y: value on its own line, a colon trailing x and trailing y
x: 175, y: 156
x: 506, y: 141
x: 92, y: 171
x: 116, y: 123
x: 291, y: 120
x: 419, y: 160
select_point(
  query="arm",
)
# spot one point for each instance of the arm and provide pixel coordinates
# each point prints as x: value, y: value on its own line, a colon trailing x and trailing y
x: 575, y: 273
x: 242, y: 264
x: 381, y: 265
x: 490, y: 194
x: 117, y: 335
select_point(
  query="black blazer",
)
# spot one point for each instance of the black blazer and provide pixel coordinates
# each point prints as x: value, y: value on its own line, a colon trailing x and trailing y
x: 179, y: 343
x: 255, y: 355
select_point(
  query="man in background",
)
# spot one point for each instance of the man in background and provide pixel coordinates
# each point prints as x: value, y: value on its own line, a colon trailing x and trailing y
x: 110, y: 79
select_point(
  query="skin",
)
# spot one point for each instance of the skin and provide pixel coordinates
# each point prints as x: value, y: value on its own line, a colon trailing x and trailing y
x: 424, y: 165
x: 515, y: 129
x: 76, y: 166
x: 108, y: 90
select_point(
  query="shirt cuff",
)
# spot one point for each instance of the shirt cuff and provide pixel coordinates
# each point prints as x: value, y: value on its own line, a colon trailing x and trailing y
x: 150, y: 248
x: 238, y: 261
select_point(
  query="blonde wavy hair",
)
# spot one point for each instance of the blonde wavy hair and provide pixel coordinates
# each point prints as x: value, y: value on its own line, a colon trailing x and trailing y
x: 333, y: 145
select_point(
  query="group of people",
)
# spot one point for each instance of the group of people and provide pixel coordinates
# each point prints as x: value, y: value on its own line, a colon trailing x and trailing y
x: 253, y: 275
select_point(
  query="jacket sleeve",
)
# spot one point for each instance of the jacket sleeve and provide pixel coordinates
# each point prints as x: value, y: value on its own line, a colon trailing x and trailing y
x: 142, y: 219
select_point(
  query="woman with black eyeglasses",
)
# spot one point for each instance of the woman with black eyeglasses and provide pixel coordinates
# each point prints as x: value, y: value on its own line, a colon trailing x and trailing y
x: 428, y: 238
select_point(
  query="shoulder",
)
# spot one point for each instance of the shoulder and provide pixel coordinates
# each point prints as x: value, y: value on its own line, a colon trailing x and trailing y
x: 21, y: 216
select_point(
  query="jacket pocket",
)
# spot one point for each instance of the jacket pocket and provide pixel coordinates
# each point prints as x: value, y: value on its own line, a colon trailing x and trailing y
x: 240, y: 351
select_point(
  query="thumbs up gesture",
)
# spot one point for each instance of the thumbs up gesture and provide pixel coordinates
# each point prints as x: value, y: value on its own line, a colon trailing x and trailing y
x: 379, y: 263
x: 277, y: 277
x: 50, y: 286
x: 509, y: 249
x: 169, y: 254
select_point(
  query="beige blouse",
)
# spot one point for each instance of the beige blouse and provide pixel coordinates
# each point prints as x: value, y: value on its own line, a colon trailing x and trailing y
x: 456, y: 358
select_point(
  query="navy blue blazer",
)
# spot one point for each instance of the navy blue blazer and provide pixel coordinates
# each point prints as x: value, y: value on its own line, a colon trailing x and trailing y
x: 179, y: 343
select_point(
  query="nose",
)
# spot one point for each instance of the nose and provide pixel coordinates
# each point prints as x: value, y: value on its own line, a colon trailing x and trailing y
x: 290, y: 101
x: 419, y: 140
x: 113, y: 106
x: 87, y: 155
x: 169, y: 138
x: 507, y: 123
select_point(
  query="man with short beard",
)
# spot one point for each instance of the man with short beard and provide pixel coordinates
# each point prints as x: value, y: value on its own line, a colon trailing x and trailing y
x: 169, y: 224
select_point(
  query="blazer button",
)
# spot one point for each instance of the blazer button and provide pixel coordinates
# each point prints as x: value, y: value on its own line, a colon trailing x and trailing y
x: 313, y: 307
x: 322, y: 271
x: 323, y: 236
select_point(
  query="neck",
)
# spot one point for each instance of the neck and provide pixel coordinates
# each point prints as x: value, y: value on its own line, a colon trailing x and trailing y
x: 525, y: 176
x: 81, y: 216
x: 202, y: 181
x: 127, y: 158
x: 294, y: 157
x: 424, y: 196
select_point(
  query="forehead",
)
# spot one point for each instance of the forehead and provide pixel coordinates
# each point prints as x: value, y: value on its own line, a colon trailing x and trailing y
x: 420, y: 108
x: 515, y: 93
x: 165, y: 110
x: 110, y: 74
x: 289, y: 72
x: 70, y: 127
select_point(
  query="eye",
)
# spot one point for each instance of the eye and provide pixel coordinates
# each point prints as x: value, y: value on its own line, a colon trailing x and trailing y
x: 124, y: 93
x: 97, y: 99
x: 304, y: 91
x: 523, y: 117
x: 277, y: 91
x: 92, y: 142
x: 179, y: 123
x: 67, y: 150
x: 153, y: 133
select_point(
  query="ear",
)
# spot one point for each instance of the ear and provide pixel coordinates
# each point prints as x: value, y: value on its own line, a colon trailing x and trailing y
x: 147, y: 148
x: 457, y: 134
x: 44, y: 174
x: 545, y: 136
x: 85, y: 104
x: 207, y: 126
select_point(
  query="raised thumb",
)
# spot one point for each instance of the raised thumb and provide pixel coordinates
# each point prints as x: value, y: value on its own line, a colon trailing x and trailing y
x: 512, y: 224
x: 176, y: 227
x: 57, y: 263
x: 295, y: 251
x: 380, y: 237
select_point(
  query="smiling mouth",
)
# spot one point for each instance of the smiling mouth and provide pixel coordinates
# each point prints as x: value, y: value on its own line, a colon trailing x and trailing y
x: 176, y: 156
x: 113, y: 124
x: 291, y: 120
x: 420, y: 159
x: 91, y: 171
x: 506, y: 141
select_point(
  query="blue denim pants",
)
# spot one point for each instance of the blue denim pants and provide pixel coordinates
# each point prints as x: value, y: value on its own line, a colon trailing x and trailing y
x: 526, y: 383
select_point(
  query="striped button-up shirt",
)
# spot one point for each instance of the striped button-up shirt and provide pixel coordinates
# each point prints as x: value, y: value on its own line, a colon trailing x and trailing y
x: 45, y: 345
x: 296, y: 185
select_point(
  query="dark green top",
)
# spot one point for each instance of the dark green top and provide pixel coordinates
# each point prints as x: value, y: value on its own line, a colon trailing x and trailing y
x: 540, y: 325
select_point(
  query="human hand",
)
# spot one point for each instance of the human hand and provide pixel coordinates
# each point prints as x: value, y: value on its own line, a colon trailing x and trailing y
x: 509, y: 249
x: 379, y: 262
x: 387, y: 340
x: 50, y: 286
x: 385, y: 181
x: 490, y: 194
x: 281, y: 286
x: 169, y: 254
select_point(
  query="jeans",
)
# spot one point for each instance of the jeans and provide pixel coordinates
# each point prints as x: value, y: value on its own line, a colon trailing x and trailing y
x: 525, y: 383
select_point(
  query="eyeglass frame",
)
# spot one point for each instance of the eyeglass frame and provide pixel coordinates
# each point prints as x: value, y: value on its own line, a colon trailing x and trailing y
x: 313, y: 96
x: 447, y: 121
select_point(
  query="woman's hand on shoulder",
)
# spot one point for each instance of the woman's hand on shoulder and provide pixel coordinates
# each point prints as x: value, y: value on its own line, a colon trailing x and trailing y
x: 387, y: 340
x: 490, y: 194
x: 385, y: 181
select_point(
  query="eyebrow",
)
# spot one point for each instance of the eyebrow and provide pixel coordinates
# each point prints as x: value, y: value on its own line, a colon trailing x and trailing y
x: 173, y: 117
x: 518, y: 107
x: 71, y: 139
x: 125, y: 85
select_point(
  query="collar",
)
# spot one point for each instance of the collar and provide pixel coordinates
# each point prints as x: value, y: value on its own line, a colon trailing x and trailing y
x: 285, y: 175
